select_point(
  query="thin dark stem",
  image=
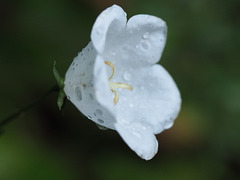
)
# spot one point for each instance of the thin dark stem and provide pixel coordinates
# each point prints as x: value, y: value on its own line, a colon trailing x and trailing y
x: 20, y: 111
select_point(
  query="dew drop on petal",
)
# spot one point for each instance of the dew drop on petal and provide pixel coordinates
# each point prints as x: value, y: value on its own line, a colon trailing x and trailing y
x: 90, y: 96
x: 89, y: 117
x: 124, y: 56
x: 127, y: 76
x: 113, y: 53
x: 145, y: 35
x: 100, y: 121
x: 135, y: 132
x: 99, y: 111
x: 125, y: 48
x: 168, y: 124
x: 145, y: 46
x: 78, y: 93
x: 131, y: 105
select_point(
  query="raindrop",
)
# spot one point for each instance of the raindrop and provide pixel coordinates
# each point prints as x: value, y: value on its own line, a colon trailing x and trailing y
x: 131, y: 105
x: 68, y: 97
x: 145, y: 46
x: 124, y: 56
x: 100, y: 121
x: 136, y: 132
x: 89, y: 117
x: 145, y: 35
x: 78, y: 93
x: 99, y: 111
x: 91, y: 96
x: 114, y: 53
x: 127, y: 76
x: 125, y: 48
x: 168, y: 124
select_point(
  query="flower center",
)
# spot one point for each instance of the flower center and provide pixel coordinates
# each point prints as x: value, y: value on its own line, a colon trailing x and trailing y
x: 115, y: 85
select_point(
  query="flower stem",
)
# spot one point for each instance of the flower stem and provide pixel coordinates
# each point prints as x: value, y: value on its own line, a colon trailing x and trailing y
x: 30, y: 106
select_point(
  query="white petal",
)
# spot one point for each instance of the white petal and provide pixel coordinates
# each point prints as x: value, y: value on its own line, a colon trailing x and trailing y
x: 111, y: 20
x: 139, y: 44
x: 139, y: 138
x: 149, y: 33
x: 80, y: 90
x: 154, y: 101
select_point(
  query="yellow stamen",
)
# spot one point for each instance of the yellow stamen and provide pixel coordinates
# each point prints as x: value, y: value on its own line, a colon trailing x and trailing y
x: 113, y: 68
x: 116, y: 98
x: 115, y: 85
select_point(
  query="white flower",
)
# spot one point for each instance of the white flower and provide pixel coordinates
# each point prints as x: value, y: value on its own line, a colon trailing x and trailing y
x: 115, y: 82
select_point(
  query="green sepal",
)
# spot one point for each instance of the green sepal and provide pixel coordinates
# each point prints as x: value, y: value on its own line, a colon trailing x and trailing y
x: 61, y: 99
x: 60, y: 81
x: 57, y: 76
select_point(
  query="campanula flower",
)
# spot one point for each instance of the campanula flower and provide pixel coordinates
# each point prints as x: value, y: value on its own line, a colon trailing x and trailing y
x: 116, y: 82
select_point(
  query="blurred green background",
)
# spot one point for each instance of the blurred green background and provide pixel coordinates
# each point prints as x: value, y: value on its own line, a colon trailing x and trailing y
x: 202, y: 54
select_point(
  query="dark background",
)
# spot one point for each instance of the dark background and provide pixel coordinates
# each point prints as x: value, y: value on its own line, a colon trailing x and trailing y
x: 202, y: 54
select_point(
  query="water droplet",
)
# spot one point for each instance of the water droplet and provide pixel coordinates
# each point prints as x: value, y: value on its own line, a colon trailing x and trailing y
x: 90, y: 96
x: 145, y: 46
x: 124, y: 56
x: 136, y: 132
x: 100, y: 121
x: 78, y: 93
x: 99, y: 111
x: 89, y: 117
x: 145, y: 35
x: 168, y: 124
x: 127, y: 76
x: 114, y: 53
x: 68, y: 97
x: 131, y: 105
x: 125, y: 48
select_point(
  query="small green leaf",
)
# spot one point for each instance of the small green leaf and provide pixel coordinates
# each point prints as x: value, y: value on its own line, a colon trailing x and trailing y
x: 60, y: 81
x: 61, y: 99
x: 57, y: 76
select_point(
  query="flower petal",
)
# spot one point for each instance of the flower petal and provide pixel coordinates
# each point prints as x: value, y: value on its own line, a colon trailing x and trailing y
x: 111, y: 20
x: 149, y: 35
x: 155, y: 99
x: 80, y: 90
x: 140, y: 43
x: 139, y: 138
